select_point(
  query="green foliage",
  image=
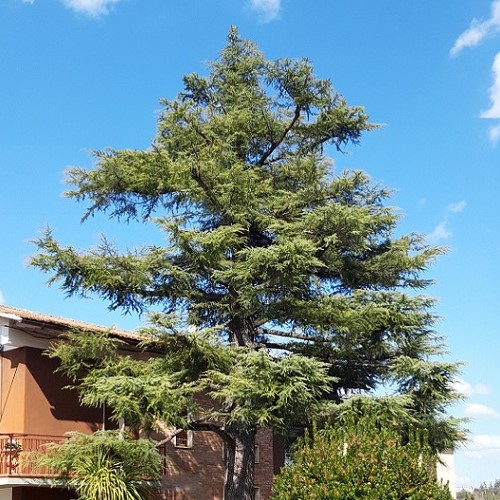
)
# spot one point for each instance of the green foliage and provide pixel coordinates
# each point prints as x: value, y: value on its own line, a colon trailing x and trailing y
x: 267, y: 253
x: 267, y: 392
x: 103, y: 466
x: 359, y: 460
x: 83, y: 352
x: 246, y: 387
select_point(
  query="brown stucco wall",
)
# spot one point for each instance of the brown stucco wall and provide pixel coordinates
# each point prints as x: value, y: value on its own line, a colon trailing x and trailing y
x: 12, y: 390
x: 51, y: 409
x: 34, y: 400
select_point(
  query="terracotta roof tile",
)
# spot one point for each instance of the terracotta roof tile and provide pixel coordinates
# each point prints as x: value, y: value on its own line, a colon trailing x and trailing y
x: 65, y: 323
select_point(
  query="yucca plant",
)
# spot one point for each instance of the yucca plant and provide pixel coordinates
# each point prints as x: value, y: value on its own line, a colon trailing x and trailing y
x: 102, y: 477
x: 103, y: 466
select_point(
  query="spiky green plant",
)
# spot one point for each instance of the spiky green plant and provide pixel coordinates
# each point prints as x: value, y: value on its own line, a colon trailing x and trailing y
x: 103, y: 466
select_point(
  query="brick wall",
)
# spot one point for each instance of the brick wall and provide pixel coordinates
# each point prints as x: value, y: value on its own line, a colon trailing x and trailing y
x: 197, y: 473
x: 264, y: 467
x: 194, y: 473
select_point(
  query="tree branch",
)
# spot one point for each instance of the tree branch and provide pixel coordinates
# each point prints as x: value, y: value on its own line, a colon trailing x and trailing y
x: 275, y: 144
x: 293, y: 335
x: 199, y: 425
x: 212, y: 427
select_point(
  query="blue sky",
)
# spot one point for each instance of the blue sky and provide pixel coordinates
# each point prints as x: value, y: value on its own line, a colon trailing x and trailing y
x: 80, y: 75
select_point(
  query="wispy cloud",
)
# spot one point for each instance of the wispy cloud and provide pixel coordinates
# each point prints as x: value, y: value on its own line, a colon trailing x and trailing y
x: 494, y: 110
x: 494, y: 134
x: 456, y: 208
x: 478, y: 30
x: 92, y: 8
x: 473, y: 36
x: 442, y: 232
x: 439, y: 233
x: 479, y: 410
x: 484, y: 446
x: 268, y: 10
x: 468, y: 389
x: 2, y: 298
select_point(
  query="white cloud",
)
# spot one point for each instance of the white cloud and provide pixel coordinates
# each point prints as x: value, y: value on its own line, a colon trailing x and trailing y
x: 2, y: 298
x: 441, y: 231
x: 93, y: 8
x: 31, y: 2
x: 479, y: 410
x: 268, y: 9
x: 478, y: 30
x: 471, y: 37
x: 463, y: 387
x: 484, y: 446
x: 456, y: 208
x: 494, y: 110
x: 494, y: 134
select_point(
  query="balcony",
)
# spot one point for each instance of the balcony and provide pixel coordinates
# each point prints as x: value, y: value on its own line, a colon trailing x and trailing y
x: 12, y: 462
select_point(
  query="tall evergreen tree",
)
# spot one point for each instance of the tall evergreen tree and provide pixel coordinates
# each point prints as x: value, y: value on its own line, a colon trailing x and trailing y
x: 299, y: 291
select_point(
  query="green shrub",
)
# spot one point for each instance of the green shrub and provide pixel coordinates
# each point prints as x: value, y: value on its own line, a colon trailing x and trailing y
x: 360, y: 461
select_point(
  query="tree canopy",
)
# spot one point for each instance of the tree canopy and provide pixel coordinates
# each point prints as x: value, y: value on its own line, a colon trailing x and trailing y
x: 281, y: 289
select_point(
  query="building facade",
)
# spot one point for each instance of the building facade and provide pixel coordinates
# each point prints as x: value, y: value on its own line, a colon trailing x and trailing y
x: 35, y: 409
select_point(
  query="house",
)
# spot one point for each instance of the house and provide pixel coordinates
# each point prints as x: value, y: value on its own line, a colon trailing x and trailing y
x: 36, y: 409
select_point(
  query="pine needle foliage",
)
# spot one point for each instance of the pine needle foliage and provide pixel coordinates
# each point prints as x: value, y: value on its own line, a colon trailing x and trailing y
x: 299, y: 293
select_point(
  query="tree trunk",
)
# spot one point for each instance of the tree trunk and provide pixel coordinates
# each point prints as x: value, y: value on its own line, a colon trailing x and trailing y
x: 240, y: 461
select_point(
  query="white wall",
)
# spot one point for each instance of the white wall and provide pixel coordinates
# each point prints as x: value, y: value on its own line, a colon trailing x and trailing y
x: 445, y: 471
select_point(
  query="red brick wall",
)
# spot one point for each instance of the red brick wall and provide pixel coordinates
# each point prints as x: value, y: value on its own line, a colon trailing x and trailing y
x: 264, y: 468
x: 198, y: 473
x: 194, y: 473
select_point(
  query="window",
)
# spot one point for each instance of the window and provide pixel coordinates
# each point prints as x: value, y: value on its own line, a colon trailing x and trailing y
x: 256, y: 494
x: 184, y: 439
x: 257, y: 455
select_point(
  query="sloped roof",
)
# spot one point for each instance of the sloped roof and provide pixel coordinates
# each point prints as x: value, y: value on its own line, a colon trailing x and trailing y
x: 63, y: 324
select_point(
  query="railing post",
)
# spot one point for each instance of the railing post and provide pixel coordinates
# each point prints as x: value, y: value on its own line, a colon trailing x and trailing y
x: 9, y: 450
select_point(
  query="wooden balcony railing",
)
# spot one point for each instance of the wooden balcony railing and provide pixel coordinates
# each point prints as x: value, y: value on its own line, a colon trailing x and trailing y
x: 12, y: 460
